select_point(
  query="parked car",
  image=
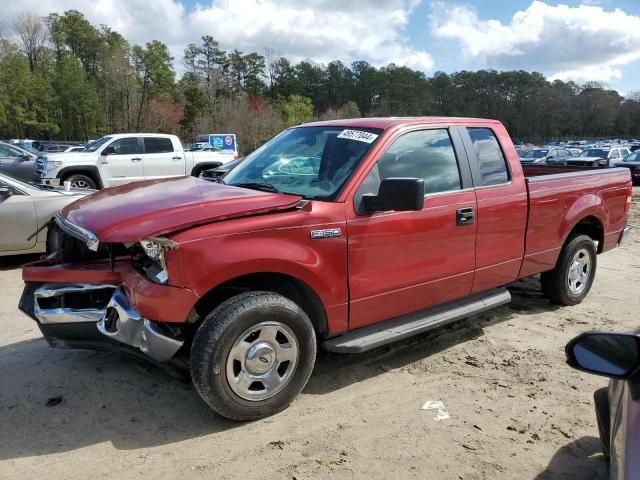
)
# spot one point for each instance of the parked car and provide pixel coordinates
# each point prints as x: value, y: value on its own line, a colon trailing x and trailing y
x: 632, y: 162
x: 595, y: 157
x: 123, y: 158
x: 17, y: 161
x: 26, y: 209
x: 337, y: 234
x: 543, y: 155
x: 617, y: 356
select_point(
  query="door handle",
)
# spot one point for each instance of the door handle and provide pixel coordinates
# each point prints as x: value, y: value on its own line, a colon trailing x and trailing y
x: 136, y: 159
x: 176, y: 158
x: 465, y: 216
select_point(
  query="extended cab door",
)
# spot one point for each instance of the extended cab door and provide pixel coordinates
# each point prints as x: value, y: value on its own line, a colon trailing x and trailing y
x: 121, y: 161
x: 400, y: 262
x: 162, y: 158
x: 502, y: 209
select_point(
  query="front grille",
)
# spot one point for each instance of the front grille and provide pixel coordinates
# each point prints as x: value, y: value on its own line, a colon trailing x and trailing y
x: 73, y: 250
x: 40, y: 169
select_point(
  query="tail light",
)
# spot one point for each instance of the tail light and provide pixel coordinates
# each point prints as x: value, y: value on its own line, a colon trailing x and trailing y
x: 629, y: 195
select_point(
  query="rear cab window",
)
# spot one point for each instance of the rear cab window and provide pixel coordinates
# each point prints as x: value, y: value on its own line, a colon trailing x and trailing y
x: 157, y: 145
x: 492, y: 164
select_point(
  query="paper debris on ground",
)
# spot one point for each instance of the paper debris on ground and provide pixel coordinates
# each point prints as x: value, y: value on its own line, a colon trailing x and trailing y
x: 438, y: 407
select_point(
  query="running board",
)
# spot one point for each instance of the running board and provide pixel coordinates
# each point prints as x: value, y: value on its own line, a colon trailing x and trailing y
x: 370, y: 337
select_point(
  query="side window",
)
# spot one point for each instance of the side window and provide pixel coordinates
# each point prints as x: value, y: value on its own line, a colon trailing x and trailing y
x: 491, y: 162
x: 426, y: 154
x: 126, y: 146
x: 157, y: 145
x: 615, y: 153
x: 8, y: 151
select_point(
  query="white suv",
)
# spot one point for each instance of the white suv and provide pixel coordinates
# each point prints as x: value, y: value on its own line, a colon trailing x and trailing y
x: 126, y: 157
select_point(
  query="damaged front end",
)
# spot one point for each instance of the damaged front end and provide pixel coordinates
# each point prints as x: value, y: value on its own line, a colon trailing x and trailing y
x: 82, y: 296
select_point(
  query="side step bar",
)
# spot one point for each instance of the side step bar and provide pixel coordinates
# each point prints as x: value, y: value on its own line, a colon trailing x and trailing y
x: 370, y: 337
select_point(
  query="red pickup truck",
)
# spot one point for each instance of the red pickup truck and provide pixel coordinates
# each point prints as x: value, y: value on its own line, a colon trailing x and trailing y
x: 345, y: 234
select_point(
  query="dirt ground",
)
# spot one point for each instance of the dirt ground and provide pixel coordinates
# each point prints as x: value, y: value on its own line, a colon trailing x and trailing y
x: 516, y: 411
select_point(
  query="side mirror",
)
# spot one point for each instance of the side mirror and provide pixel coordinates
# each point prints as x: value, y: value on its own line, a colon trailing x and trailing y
x: 614, y: 355
x: 550, y: 157
x: 25, y: 158
x: 5, y: 191
x: 399, y: 194
x: 109, y: 151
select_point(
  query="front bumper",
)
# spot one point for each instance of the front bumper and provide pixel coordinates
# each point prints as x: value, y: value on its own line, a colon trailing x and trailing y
x: 79, y: 316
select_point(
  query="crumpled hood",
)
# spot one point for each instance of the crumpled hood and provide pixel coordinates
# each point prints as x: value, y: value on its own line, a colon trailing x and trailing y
x: 135, y: 211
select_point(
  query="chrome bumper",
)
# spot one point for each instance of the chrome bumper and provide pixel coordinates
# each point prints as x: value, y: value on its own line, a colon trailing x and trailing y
x: 66, y: 314
x: 117, y: 320
x: 124, y: 324
x: 624, y: 234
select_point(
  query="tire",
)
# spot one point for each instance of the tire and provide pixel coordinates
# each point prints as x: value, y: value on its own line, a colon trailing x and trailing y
x: 562, y: 285
x: 81, y: 181
x: 53, y: 239
x: 237, y: 355
x: 603, y: 416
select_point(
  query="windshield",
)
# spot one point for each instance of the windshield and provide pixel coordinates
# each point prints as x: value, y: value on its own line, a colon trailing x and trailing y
x: 632, y: 158
x: 535, y: 154
x: 92, y: 147
x: 314, y: 162
x: 595, y: 152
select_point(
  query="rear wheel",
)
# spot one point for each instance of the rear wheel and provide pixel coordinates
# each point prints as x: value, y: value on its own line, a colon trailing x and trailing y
x: 253, y: 355
x: 81, y: 181
x: 570, y: 281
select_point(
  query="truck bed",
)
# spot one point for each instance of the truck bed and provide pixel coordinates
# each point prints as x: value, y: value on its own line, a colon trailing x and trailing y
x: 555, y: 193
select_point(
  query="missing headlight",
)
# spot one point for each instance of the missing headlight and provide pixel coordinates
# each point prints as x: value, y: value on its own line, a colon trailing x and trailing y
x: 154, y: 264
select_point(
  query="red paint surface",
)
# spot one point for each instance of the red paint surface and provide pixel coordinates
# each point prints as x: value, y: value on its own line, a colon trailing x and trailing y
x: 383, y: 265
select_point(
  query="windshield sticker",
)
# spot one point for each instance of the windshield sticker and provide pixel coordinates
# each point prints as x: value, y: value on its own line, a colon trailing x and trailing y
x: 358, y: 135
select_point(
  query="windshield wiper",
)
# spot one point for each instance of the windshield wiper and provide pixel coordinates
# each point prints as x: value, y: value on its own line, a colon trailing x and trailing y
x: 265, y: 187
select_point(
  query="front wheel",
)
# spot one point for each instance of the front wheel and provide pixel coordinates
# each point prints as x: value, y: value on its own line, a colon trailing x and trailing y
x: 570, y: 281
x: 253, y: 355
x: 81, y: 181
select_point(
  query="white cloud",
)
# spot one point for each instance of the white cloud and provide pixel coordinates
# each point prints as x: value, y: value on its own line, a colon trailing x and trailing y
x: 569, y: 43
x: 321, y: 30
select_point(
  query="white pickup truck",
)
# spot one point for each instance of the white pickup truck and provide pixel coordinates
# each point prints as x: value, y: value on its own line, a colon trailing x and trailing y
x: 126, y: 157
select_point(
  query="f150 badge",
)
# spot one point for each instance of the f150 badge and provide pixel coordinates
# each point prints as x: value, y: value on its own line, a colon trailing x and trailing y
x: 328, y: 233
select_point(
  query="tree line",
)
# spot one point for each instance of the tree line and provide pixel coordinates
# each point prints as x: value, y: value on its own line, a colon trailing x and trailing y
x: 63, y: 78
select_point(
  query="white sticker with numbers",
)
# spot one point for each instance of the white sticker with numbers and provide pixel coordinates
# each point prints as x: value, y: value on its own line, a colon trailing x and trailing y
x: 358, y: 135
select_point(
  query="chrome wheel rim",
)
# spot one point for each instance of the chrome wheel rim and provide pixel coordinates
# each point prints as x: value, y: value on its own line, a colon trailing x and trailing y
x: 262, y: 361
x: 579, y: 271
x: 80, y: 184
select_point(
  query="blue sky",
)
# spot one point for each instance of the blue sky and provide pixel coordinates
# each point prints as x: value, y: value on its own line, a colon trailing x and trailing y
x: 446, y: 53
x: 576, y: 40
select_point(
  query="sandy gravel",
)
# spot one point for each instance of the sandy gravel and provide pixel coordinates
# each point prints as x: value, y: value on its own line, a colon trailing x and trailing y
x: 515, y: 409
